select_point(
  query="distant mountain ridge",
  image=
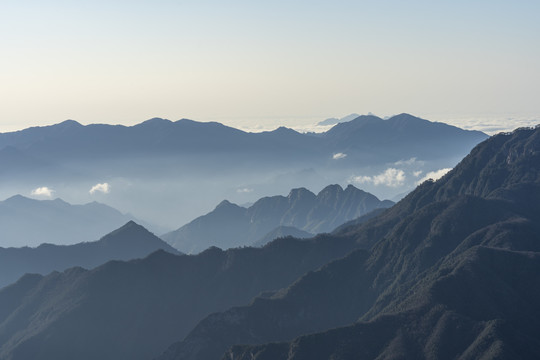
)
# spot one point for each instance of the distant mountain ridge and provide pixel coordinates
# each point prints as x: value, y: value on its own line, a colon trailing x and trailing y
x: 162, y: 136
x: 201, y: 163
x: 30, y: 222
x: 131, y: 241
x: 230, y: 225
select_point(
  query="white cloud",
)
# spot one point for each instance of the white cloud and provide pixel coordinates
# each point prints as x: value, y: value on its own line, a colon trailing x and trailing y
x: 244, y: 190
x: 410, y: 161
x: 43, y: 192
x: 417, y: 173
x: 339, y: 155
x: 434, y: 175
x: 104, y: 188
x: 390, y: 177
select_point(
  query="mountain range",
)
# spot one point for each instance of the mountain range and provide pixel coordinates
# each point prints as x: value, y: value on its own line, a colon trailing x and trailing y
x: 131, y: 241
x: 30, y: 222
x: 198, y: 164
x: 230, y: 225
x: 71, y: 140
x: 452, y: 272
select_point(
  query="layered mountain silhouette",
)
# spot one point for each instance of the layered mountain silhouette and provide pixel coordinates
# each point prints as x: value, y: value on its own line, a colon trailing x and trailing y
x: 30, y: 222
x: 169, y: 172
x: 70, y: 140
x: 135, y: 309
x: 452, y: 272
x: 230, y: 225
x: 131, y: 241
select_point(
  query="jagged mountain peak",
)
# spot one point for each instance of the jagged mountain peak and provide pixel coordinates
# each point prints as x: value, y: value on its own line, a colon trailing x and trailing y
x: 128, y: 229
x: 331, y: 189
x: 405, y: 117
x: 18, y: 198
x: 69, y: 123
x: 156, y: 121
x: 226, y: 205
x: 230, y: 225
x: 366, y: 118
x: 285, y: 130
x: 300, y: 193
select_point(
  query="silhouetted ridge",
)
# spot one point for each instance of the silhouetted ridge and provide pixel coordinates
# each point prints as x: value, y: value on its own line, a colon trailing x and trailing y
x: 131, y: 230
x: 149, y: 302
x: 131, y: 241
x: 226, y: 205
x: 70, y: 140
x: 300, y: 193
x: 69, y: 124
x: 156, y: 123
x: 283, y: 232
x: 18, y: 199
x: 284, y: 131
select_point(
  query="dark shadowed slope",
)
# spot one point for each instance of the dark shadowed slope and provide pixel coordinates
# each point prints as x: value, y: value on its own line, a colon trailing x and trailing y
x: 230, y: 225
x: 453, y: 272
x: 131, y: 241
x: 134, y: 310
x: 473, y: 308
x: 29, y: 222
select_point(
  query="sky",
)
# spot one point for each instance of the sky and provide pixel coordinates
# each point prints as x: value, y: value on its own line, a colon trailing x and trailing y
x: 258, y: 65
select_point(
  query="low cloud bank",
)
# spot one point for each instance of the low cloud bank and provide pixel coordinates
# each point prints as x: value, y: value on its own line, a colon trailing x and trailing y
x: 391, y: 177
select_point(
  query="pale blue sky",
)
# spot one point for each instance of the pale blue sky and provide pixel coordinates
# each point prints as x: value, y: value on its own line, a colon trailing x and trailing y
x: 254, y: 63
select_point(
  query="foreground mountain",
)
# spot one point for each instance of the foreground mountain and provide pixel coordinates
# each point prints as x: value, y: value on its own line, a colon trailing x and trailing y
x: 29, y: 222
x: 230, y: 225
x: 131, y: 241
x: 171, y: 172
x: 134, y: 310
x: 452, y: 273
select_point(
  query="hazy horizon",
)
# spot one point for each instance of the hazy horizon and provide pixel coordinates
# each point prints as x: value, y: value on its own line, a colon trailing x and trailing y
x: 488, y: 124
x: 255, y: 65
